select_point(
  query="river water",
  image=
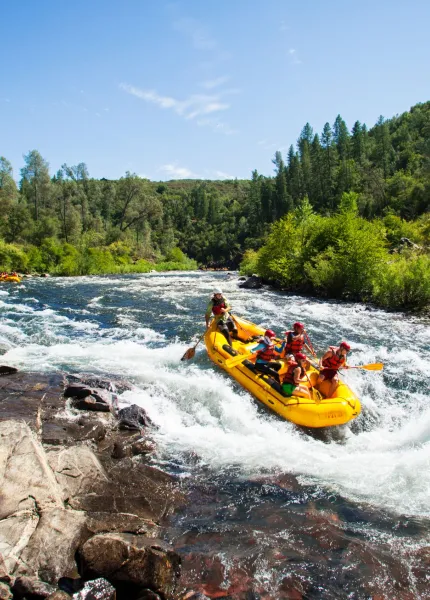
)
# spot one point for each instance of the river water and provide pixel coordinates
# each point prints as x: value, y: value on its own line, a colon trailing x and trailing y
x: 273, y: 511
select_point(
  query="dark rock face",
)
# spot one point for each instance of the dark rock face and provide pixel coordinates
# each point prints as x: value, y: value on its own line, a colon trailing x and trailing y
x: 133, y: 417
x: 97, y: 589
x: 28, y: 586
x: 252, y: 283
x: 71, y: 480
x: 87, y: 398
x: 4, y: 370
x: 144, y: 562
x: 115, y: 385
x: 59, y: 595
x: 5, y: 591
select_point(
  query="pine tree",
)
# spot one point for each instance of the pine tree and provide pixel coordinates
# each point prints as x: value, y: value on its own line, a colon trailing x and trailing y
x: 35, y: 182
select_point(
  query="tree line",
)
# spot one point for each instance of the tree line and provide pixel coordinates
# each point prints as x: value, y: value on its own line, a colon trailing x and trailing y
x: 71, y: 223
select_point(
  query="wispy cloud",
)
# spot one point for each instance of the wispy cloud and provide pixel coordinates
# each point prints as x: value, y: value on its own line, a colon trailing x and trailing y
x: 198, y: 33
x: 294, y: 59
x: 217, y: 126
x: 5, y: 99
x: 283, y: 26
x: 222, y: 175
x: 210, y: 84
x: 174, y: 171
x: 190, y: 108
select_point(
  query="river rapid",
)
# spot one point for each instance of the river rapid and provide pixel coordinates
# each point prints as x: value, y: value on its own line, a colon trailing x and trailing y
x: 272, y: 510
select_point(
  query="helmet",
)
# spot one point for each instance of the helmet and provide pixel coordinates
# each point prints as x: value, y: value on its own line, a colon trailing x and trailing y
x: 346, y: 346
x: 217, y: 291
x: 298, y: 324
x: 269, y: 333
x: 301, y: 356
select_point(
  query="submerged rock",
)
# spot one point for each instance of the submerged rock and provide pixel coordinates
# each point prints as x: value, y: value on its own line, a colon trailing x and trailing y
x: 5, y: 370
x: 87, y: 398
x: 133, y: 417
x: 252, y: 283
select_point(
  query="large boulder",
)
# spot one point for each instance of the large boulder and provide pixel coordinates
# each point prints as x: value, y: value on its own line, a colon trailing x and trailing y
x: 38, y: 535
x: 5, y: 370
x: 76, y: 469
x: 133, y: 417
x: 5, y: 591
x: 88, y: 398
x: 136, y: 560
x: 31, y: 587
x: 116, y: 385
x: 252, y: 283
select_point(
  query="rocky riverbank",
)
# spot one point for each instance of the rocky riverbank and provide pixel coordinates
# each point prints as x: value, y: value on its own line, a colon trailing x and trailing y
x: 80, y: 505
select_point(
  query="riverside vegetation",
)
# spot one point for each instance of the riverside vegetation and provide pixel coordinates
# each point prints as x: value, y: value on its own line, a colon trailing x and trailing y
x: 346, y: 215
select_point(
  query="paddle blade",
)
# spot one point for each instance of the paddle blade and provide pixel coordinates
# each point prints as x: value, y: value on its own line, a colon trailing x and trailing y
x: 189, y: 354
x: 371, y: 367
x: 236, y: 360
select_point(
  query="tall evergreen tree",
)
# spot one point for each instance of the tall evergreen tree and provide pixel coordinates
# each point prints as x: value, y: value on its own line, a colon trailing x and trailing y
x: 35, y: 181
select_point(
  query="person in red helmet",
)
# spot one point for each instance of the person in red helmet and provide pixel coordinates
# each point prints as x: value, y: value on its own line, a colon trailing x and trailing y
x: 267, y: 353
x: 295, y: 341
x: 331, y: 362
x: 296, y: 376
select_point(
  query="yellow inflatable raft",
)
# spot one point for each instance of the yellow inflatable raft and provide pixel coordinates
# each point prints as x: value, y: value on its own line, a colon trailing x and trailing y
x: 10, y: 278
x: 319, y: 411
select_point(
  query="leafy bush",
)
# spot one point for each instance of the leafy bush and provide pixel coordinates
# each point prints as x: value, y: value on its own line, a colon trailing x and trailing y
x: 248, y: 266
x: 12, y: 258
x: 404, y: 283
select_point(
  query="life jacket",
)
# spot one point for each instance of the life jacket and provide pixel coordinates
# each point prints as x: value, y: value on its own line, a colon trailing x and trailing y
x: 295, y: 344
x: 268, y: 352
x: 335, y: 361
x: 289, y: 375
x: 217, y: 305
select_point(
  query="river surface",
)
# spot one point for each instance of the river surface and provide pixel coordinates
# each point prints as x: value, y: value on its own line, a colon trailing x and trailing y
x: 273, y: 511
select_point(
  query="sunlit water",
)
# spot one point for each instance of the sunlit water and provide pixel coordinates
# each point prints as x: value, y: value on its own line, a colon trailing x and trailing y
x: 139, y: 327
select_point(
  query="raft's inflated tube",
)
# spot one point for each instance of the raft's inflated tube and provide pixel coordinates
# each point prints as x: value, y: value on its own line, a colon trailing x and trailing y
x: 302, y: 411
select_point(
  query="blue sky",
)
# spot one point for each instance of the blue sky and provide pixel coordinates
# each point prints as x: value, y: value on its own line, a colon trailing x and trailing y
x: 195, y: 88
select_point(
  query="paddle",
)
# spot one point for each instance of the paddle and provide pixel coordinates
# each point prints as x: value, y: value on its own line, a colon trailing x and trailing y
x: 189, y: 354
x: 232, y: 362
x: 309, y: 343
x: 370, y: 367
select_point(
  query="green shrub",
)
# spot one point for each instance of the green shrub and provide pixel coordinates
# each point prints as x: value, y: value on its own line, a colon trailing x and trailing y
x: 404, y: 283
x: 12, y: 258
x: 248, y: 266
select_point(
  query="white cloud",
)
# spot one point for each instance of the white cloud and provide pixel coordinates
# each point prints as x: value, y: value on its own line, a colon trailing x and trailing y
x: 190, y: 108
x: 197, y: 32
x: 222, y: 175
x: 213, y: 83
x: 174, y: 171
x: 294, y: 59
x: 217, y: 126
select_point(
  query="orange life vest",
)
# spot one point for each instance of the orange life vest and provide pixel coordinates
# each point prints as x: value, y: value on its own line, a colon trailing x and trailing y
x: 335, y: 361
x: 294, y: 344
x: 289, y: 375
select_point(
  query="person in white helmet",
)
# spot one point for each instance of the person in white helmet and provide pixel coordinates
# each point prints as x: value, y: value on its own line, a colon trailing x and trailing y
x: 219, y: 308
